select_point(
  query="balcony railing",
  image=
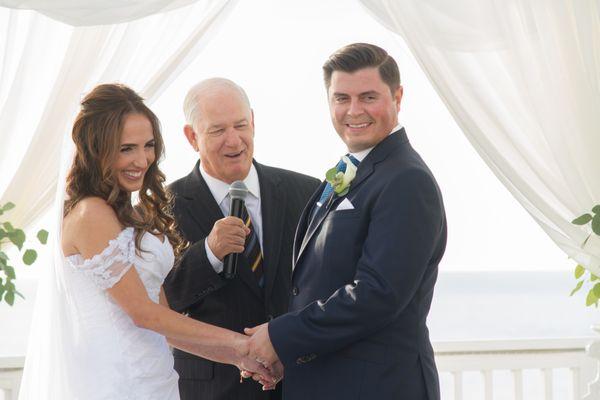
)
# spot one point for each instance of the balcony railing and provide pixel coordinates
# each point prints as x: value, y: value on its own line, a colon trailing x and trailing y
x: 549, y: 369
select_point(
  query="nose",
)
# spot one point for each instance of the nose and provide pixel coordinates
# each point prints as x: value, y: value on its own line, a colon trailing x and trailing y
x: 141, y: 159
x: 355, y: 109
x: 232, y: 138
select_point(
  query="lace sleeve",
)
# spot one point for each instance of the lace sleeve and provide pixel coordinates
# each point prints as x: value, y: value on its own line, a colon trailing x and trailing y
x: 107, y: 268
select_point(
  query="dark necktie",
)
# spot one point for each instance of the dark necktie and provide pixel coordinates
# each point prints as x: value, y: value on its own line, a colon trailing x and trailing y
x: 252, y: 250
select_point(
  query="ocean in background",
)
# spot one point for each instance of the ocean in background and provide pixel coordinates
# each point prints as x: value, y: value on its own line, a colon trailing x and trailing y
x: 466, y: 306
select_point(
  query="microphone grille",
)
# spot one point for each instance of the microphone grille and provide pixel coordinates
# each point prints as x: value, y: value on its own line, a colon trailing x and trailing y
x: 238, y: 190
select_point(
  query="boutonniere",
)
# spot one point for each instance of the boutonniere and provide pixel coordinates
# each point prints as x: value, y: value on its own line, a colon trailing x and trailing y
x: 340, y: 180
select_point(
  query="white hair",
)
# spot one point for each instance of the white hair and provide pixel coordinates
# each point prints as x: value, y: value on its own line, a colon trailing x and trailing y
x: 192, y: 99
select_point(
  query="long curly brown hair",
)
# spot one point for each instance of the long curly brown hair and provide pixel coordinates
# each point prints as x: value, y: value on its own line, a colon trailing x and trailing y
x: 97, y: 135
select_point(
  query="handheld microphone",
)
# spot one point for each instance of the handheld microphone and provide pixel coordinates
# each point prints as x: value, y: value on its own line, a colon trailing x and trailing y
x: 237, y: 194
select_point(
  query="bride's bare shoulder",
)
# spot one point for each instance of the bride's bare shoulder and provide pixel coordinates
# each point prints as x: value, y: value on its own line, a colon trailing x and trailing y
x: 89, y: 226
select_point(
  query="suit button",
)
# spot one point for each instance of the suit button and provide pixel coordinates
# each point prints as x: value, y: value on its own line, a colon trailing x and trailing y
x: 269, y: 317
x: 295, y: 291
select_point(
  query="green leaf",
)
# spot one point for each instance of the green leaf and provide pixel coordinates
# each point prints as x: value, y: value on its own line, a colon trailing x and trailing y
x: 2, y: 290
x: 330, y: 174
x: 2, y: 234
x: 596, y: 290
x: 9, y: 271
x: 582, y: 220
x: 593, y: 277
x: 8, y: 206
x: 3, y: 256
x: 42, y: 236
x: 9, y: 297
x: 8, y: 226
x: 29, y: 256
x: 17, y: 237
x: 579, y: 285
x: 591, y: 298
x: 596, y: 224
x: 596, y: 209
x: 579, y: 271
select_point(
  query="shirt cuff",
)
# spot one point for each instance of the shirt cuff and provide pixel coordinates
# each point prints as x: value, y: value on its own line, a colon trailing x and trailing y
x: 214, y: 261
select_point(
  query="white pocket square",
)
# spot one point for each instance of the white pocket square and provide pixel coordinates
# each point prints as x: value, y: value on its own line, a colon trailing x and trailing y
x: 345, y: 205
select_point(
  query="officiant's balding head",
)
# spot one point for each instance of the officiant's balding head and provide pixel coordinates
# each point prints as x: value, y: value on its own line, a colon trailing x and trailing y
x: 220, y: 127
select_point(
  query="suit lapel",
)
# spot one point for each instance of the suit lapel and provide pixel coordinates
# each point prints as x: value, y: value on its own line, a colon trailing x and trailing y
x: 205, y: 211
x: 365, y: 169
x: 273, y: 204
x: 301, y: 230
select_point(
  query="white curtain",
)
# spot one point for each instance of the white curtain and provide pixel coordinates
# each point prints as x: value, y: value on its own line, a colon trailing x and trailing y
x: 522, y: 80
x: 96, y: 12
x: 46, y: 67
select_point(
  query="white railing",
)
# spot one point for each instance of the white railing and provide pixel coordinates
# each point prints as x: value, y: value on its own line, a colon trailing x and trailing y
x: 549, y: 369
x: 515, y: 369
x: 11, y: 369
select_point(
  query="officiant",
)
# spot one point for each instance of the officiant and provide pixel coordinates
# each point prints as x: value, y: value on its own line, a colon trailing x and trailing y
x: 220, y: 128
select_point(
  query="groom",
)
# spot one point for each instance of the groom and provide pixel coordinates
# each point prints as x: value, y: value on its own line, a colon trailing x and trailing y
x: 365, y: 256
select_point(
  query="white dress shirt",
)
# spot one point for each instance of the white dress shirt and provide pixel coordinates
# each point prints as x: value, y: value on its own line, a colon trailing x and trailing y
x: 363, y: 153
x: 220, y: 192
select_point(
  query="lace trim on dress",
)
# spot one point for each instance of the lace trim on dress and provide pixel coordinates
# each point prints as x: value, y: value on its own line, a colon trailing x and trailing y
x: 108, y: 267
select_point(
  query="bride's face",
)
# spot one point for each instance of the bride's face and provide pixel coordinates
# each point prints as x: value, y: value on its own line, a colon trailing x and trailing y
x: 136, y: 152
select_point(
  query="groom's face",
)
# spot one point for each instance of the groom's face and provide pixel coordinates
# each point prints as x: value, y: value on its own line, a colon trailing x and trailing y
x: 363, y: 108
x: 225, y: 135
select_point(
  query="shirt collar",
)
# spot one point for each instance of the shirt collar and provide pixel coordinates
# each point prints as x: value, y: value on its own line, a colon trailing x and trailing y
x: 220, y: 189
x: 363, y: 153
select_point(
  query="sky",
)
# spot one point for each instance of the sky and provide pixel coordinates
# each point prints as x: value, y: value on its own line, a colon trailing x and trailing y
x: 275, y: 51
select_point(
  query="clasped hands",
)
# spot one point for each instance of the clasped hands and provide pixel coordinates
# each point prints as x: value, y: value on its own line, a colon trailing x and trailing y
x: 262, y: 363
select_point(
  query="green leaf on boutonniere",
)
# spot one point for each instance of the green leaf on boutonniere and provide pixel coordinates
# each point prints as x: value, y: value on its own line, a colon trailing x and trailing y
x: 582, y: 220
x: 330, y: 174
x: 579, y: 271
x: 579, y: 285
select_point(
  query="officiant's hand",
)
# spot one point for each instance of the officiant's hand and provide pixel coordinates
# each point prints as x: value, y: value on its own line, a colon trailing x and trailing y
x: 227, y: 236
x: 260, y: 346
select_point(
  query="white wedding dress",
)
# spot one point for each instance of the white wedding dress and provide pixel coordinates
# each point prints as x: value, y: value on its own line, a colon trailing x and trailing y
x: 101, y: 353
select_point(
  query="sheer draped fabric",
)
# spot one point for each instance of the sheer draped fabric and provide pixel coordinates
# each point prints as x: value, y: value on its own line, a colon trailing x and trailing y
x: 46, y: 67
x: 522, y: 80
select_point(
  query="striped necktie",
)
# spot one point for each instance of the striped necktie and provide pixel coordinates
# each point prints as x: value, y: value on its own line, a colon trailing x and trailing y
x: 328, y: 189
x: 252, y: 250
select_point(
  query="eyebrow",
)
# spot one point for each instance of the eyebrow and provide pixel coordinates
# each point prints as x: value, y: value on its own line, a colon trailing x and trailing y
x: 134, y: 144
x: 370, y: 92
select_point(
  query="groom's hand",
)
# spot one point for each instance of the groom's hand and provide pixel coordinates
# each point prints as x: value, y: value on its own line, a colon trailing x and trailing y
x: 260, y: 346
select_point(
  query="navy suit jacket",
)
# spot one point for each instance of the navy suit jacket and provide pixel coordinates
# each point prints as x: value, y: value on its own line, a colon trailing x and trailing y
x: 362, y: 286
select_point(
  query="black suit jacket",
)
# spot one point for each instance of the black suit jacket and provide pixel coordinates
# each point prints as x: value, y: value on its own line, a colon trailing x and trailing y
x: 362, y: 286
x: 194, y: 288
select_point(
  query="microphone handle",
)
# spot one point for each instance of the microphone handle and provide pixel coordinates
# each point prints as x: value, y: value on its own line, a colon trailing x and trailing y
x: 230, y: 261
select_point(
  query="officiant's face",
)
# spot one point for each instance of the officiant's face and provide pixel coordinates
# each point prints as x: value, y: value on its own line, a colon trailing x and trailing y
x: 136, y: 152
x: 363, y: 108
x: 224, y: 134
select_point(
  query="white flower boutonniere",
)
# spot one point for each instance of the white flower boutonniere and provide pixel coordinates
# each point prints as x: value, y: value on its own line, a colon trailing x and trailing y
x: 340, y: 181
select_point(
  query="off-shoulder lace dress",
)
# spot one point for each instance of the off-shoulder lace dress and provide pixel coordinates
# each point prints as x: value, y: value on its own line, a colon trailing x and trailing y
x: 119, y: 359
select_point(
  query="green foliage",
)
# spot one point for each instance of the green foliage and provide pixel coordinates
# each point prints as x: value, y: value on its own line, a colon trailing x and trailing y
x: 593, y: 295
x: 10, y: 234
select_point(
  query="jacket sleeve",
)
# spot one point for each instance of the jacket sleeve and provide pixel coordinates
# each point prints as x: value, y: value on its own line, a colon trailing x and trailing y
x: 191, y: 279
x: 405, y: 226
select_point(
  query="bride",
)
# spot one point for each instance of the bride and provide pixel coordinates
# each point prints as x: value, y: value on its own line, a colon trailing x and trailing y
x: 101, y: 313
